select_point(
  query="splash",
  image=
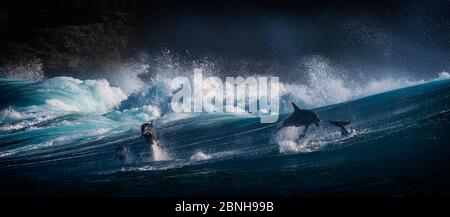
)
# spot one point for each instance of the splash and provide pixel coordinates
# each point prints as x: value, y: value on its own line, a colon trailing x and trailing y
x: 444, y: 75
x: 288, y: 142
x: 159, y: 154
x: 29, y: 71
x: 200, y: 156
x: 127, y: 76
x: 325, y: 85
x: 142, y: 91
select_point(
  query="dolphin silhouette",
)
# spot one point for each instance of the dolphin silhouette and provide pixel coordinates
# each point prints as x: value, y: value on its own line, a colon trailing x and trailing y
x: 301, y: 117
x: 148, y: 131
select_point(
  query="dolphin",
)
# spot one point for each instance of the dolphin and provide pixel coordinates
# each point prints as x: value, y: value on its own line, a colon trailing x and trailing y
x: 122, y: 154
x: 148, y: 131
x: 301, y: 117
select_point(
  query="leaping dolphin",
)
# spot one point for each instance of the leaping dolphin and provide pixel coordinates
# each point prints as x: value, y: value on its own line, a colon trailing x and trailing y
x: 301, y: 117
x: 148, y: 132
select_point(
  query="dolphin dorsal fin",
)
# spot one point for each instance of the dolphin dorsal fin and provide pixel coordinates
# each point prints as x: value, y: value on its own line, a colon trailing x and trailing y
x: 296, y: 108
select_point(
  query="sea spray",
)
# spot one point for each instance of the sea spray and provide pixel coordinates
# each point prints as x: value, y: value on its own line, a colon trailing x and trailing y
x: 159, y: 154
x: 200, y: 156
x: 444, y: 75
x: 288, y: 141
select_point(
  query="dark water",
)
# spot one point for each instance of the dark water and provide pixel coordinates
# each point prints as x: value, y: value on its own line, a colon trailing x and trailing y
x: 401, y: 148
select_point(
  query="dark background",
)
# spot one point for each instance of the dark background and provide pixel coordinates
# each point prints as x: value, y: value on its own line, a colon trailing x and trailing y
x: 85, y: 38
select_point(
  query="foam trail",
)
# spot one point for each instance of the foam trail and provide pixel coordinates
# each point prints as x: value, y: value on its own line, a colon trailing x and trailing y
x: 159, y: 154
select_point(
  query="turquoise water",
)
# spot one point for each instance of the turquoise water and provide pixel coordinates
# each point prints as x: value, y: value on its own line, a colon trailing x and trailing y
x: 59, y: 136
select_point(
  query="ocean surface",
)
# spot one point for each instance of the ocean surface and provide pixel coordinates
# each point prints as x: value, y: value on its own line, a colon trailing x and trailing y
x: 58, y: 137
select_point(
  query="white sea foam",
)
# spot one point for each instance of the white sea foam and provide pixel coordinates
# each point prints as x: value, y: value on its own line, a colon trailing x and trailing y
x: 59, y: 96
x: 444, y: 75
x: 57, y: 104
x: 324, y: 85
x: 81, y: 95
x: 288, y: 142
x: 200, y: 156
x: 15, y: 120
x: 159, y: 154
x: 9, y: 114
x: 140, y: 114
x: 126, y: 76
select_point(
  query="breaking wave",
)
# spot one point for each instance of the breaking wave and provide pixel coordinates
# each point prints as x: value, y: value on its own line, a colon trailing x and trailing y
x: 136, y: 101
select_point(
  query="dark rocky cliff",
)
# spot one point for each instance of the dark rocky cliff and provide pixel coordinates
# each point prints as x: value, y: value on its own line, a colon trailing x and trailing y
x: 70, y: 37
